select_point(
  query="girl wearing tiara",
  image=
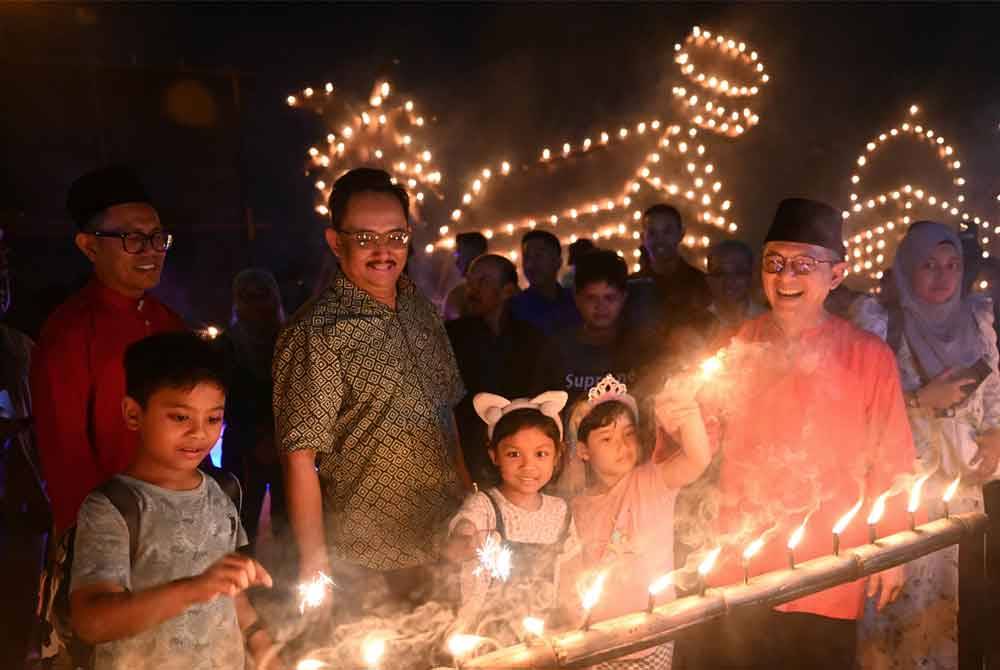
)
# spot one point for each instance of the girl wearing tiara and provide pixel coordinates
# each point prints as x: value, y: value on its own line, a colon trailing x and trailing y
x: 625, y: 512
x: 525, y: 445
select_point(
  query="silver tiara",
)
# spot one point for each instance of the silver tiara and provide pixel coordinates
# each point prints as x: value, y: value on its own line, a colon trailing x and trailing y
x: 607, y: 386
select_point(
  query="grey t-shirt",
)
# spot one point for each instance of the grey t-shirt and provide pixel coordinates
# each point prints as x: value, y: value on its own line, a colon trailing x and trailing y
x: 181, y: 533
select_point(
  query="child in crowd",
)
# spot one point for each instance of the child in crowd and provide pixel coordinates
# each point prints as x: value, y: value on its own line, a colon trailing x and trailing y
x: 173, y: 596
x: 625, y: 513
x: 525, y: 445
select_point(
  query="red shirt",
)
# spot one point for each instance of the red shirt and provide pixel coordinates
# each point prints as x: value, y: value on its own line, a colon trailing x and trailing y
x: 806, y: 426
x: 77, y: 387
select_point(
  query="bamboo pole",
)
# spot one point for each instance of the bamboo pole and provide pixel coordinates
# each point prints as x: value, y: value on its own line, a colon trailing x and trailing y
x: 607, y: 640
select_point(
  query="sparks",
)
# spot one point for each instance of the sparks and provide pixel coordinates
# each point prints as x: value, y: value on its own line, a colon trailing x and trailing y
x: 796, y: 536
x: 711, y: 366
x: 313, y: 592
x: 494, y: 559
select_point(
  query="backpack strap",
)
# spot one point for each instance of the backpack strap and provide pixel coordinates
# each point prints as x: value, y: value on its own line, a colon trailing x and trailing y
x: 228, y: 482
x: 894, y: 326
x: 126, y: 502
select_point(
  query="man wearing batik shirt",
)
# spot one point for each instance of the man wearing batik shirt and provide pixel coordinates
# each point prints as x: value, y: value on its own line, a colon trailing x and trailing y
x: 78, y: 375
x: 364, y: 386
x: 810, y: 415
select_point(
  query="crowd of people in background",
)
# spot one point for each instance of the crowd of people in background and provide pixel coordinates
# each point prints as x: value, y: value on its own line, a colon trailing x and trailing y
x: 388, y: 437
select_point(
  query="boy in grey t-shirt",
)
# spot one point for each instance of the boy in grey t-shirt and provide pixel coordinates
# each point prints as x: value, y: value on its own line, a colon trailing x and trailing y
x: 180, y: 603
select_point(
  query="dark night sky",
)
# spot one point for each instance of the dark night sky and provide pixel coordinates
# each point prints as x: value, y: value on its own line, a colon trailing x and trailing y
x: 516, y: 77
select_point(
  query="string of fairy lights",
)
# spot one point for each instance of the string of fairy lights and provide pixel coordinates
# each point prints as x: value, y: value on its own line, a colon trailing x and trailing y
x: 876, y: 222
x: 377, y: 132
x: 676, y: 168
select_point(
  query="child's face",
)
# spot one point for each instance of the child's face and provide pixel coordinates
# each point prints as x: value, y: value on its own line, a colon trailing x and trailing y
x: 612, y: 451
x: 178, y: 426
x: 526, y: 460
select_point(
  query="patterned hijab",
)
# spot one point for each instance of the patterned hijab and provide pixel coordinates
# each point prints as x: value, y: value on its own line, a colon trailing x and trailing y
x: 940, y: 336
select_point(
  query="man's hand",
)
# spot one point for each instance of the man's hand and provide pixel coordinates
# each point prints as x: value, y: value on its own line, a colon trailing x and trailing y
x: 987, y: 458
x: 943, y: 392
x: 887, y: 585
x: 229, y: 576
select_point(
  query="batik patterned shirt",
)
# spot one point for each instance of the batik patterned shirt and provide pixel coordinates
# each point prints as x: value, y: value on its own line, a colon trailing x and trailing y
x: 371, y: 390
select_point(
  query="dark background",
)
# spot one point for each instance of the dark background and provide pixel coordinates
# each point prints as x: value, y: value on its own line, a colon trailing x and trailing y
x: 193, y: 95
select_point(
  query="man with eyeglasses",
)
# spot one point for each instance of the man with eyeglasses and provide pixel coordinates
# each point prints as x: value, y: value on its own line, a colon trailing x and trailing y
x: 77, y: 376
x: 809, y: 416
x: 365, y: 383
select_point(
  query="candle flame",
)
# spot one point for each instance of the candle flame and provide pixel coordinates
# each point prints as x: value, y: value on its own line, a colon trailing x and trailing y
x: 845, y: 520
x: 593, y: 593
x: 753, y: 548
x: 711, y: 365
x: 494, y: 559
x: 914, y: 503
x: 460, y: 644
x: 313, y: 592
x: 708, y: 562
x: 797, y: 535
x: 533, y: 626
x: 371, y: 651
x: 310, y: 664
x: 878, y: 509
x: 661, y: 583
x: 950, y: 491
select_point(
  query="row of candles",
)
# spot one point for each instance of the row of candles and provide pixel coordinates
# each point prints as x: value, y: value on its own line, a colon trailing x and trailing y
x: 495, y: 558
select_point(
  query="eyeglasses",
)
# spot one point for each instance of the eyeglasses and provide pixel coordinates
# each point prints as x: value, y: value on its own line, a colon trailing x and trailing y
x: 394, y: 239
x: 136, y: 243
x: 801, y: 265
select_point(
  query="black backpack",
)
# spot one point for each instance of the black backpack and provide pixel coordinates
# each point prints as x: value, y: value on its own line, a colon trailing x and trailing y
x: 54, y: 600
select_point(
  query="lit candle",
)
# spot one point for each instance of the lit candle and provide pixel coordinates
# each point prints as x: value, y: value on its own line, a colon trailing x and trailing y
x: 878, y: 509
x: 949, y: 493
x: 843, y: 523
x: 534, y: 628
x: 706, y: 567
x: 657, y: 587
x: 794, y: 540
x: 914, y: 503
x: 371, y: 651
x: 461, y: 645
x: 310, y: 664
x: 591, y: 596
x: 749, y: 553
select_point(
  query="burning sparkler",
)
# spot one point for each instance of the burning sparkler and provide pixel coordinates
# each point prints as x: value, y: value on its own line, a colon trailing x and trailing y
x: 878, y: 510
x: 710, y: 366
x: 313, y: 592
x: 211, y: 332
x: 494, y: 559
x: 534, y: 628
x: 658, y: 586
x: 843, y: 523
x: 705, y: 567
x: 794, y: 540
x: 591, y: 596
x: 949, y: 493
x: 752, y: 549
x: 914, y: 503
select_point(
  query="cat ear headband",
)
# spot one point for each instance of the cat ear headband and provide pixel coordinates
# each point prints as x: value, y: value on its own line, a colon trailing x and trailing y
x: 491, y: 408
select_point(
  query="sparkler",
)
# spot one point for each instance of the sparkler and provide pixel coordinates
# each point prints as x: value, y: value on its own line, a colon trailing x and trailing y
x: 878, y: 509
x: 843, y: 523
x: 949, y: 493
x: 313, y: 592
x: 914, y: 503
x: 749, y: 553
x: 494, y: 559
x: 657, y: 587
x: 710, y: 366
x: 211, y: 332
x: 794, y: 540
x: 592, y: 595
x: 705, y: 567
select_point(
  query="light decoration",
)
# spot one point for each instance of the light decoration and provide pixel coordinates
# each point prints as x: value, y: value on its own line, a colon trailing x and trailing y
x: 874, y: 223
x: 382, y: 131
x: 709, y: 102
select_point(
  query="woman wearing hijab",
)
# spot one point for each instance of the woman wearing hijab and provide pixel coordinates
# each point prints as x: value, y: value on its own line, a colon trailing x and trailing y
x: 946, y: 350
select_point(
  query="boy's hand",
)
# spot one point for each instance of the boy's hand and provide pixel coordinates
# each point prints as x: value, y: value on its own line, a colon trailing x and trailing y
x: 462, y: 543
x: 228, y: 576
